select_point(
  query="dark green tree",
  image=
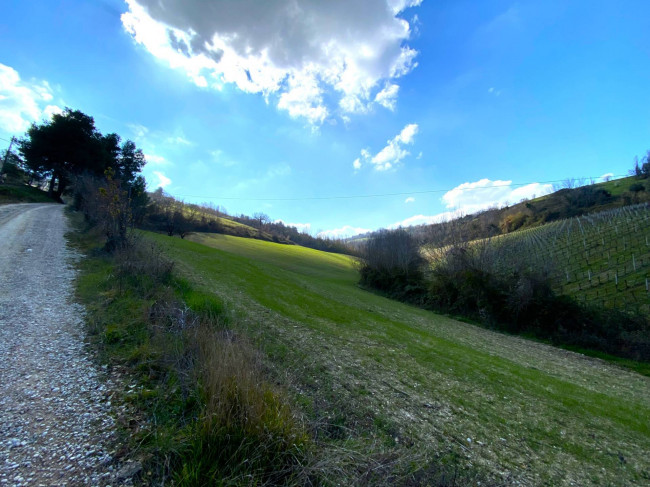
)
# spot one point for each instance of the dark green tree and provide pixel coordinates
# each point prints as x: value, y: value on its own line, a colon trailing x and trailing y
x: 67, y: 145
x: 129, y: 162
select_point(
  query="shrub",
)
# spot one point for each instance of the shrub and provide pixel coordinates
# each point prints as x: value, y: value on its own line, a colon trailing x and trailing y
x: 637, y: 187
x: 472, y: 281
x: 392, y: 263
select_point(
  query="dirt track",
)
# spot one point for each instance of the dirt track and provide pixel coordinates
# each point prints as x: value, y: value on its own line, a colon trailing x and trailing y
x: 55, y: 427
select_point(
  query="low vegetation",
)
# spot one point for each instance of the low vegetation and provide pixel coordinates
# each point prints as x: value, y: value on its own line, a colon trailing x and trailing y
x: 569, y: 282
x: 15, y: 187
x: 402, y: 396
x: 201, y: 411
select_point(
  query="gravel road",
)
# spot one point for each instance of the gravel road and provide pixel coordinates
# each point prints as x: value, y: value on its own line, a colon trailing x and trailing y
x: 55, y: 426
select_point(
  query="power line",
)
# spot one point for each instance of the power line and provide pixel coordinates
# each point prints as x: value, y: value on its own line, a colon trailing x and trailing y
x: 383, y: 195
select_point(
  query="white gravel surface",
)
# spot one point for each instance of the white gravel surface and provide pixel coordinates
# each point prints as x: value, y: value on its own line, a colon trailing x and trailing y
x: 55, y: 422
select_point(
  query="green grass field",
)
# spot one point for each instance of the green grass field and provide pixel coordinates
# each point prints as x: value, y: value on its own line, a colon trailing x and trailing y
x: 382, y: 383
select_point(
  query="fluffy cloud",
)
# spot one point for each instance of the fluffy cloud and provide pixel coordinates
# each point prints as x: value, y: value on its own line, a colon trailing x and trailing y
x: 410, y: 199
x: 343, y: 232
x: 392, y: 153
x: 161, y: 180
x: 301, y: 52
x: 388, y: 96
x: 483, y: 194
x: 156, y: 159
x: 468, y: 198
x: 21, y: 102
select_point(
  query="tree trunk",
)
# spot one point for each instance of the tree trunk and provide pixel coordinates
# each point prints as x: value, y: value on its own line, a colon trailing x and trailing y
x: 50, y: 190
x: 60, y: 188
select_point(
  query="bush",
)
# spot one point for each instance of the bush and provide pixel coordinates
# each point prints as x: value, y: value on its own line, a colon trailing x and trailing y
x: 637, y: 187
x: 495, y: 285
x: 204, y: 412
x: 105, y: 203
x: 471, y: 282
x: 392, y: 264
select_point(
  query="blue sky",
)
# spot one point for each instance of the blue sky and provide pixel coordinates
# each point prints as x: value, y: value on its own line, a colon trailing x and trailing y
x: 305, y: 110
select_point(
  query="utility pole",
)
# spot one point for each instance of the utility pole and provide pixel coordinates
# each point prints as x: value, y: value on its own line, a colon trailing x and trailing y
x: 13, y: 139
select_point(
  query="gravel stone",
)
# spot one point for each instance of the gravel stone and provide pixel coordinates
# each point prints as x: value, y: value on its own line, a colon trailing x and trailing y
x: 56, y: 426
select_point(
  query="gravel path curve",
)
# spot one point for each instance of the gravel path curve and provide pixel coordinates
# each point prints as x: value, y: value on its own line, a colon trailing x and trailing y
x: 55, y: 426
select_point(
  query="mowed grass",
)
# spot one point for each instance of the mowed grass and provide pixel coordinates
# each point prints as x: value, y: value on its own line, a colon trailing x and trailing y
x: 388, y: 381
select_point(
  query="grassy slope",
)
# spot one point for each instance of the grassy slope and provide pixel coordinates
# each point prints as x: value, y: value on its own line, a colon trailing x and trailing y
x: 543, y: 415
x: 236, y: 228
x: 231, y: 227
x: 21, y: 193
x: 618, y: 186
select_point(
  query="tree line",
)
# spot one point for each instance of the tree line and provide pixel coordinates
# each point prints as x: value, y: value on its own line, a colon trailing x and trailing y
x: 68, y: 155
x: 176, y: 217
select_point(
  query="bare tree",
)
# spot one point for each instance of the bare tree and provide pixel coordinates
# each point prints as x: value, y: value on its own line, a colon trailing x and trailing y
x: 261, y: 220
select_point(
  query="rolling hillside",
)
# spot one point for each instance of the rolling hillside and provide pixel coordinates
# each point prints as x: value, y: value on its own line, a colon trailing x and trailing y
x: 384, y: 384
x: 561, y: 204
x: 602, y: 259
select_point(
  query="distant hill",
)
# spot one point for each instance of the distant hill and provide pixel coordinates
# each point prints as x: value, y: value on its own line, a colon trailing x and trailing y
x: 559, y: 205
x: 167, y: 214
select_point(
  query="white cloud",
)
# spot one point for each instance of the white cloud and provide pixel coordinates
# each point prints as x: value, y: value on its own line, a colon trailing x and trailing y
x: 300, y: 52
x: 301, y: 227
x: 468, y: 198
x: 162, y: 180
x: 607, y: 176
x: 51, y: 110
x: 156, y: 159
x: 407, y: 134
x: 356, y: 164
x: 393, y: 153
x: 343, y: 232
x: 388, y: 96
x: 410, y: 199
x: 483, y: 194
x: 23, y: 102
